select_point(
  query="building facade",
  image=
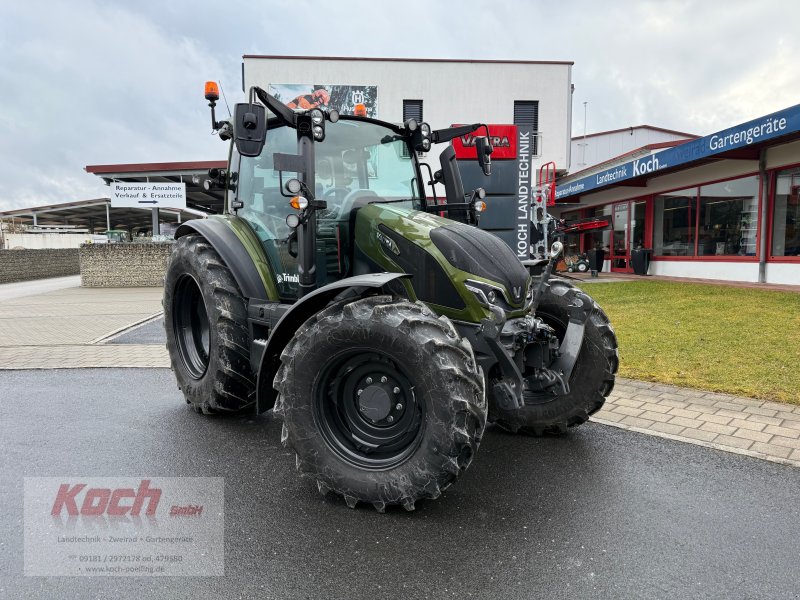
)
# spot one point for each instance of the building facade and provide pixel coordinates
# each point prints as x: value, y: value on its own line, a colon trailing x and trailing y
x: 724, y: 206
x: 440, y: 92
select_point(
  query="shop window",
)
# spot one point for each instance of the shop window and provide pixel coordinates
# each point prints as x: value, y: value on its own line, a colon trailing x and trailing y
x: 572, y: 241
x: 728, y: 219
x: 637, y: 236
x: 786, y: 214
x: 674, y: 223
x: 599, y: 238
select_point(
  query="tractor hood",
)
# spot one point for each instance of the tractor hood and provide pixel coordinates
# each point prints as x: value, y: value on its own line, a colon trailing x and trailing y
x: 453, y: 265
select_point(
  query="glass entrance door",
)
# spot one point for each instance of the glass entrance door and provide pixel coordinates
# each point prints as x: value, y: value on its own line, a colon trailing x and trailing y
x: 620, y: 251
x: 629, y: 233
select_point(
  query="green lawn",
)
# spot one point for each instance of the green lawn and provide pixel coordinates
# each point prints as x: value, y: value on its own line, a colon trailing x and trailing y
x: 719, y: 338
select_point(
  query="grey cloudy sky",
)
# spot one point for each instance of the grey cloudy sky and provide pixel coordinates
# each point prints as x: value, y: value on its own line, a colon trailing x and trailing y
x: 88, y: 82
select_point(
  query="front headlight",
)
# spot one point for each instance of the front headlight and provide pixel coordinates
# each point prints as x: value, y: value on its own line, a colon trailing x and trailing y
x: 491, y: 295
x: 488, y: 295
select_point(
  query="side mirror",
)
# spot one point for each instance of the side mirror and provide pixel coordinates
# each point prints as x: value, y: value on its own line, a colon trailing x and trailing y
x: 484, y: 150
x: 250, y: 128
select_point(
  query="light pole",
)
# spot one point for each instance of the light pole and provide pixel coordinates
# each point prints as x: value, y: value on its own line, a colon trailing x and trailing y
x: 583, y: 154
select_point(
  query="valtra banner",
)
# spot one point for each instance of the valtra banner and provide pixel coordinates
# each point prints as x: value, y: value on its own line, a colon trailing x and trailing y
x: 502, y: 137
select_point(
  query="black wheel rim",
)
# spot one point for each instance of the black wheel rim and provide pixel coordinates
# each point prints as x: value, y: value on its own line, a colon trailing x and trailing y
x: 192, y: 330
x: 366, y: 410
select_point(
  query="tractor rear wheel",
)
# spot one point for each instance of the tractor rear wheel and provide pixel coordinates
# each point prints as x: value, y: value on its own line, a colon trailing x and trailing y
x: 382, y: 401
x: 592, y: 378
x: 205, y: 318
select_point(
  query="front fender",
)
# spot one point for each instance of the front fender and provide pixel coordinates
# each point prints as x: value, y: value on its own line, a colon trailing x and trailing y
x: 221, y: 235
x: 298, y: 314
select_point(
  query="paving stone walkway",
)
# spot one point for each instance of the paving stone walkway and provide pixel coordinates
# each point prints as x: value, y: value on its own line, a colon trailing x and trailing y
x: 84, y: 356
x: 757, y: 428
x: 65, y: 328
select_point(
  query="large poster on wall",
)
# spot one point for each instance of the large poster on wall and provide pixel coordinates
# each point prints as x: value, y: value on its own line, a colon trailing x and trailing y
x: 341, y: 97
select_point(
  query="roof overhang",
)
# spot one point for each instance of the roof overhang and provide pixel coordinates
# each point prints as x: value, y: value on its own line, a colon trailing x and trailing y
x: 193, y: 174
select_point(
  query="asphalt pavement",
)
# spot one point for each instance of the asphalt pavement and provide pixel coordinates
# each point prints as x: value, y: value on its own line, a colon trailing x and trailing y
x: 599, y: 513
x: 151, y: 332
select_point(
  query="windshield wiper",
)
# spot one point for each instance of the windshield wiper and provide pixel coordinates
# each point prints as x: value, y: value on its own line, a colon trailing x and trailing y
x: 391, y: 201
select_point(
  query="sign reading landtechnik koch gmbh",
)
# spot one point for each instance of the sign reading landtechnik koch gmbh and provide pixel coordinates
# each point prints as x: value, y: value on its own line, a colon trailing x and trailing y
x: 148, y: 195
x: 765, y: 128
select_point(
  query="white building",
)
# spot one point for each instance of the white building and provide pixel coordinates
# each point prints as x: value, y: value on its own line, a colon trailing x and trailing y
x: 442, y: 92
x: 596, y: 148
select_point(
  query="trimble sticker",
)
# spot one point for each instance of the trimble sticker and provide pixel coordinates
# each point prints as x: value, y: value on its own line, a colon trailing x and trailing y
x: 103, y: 526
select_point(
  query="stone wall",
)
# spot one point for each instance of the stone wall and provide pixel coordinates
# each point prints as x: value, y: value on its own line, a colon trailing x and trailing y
x: 124, y: 265
x: 17, y: 241
x: 24, y: 265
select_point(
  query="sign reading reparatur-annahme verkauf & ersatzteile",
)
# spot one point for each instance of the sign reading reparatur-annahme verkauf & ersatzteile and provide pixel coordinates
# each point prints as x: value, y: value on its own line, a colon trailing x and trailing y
x: 148, y: 195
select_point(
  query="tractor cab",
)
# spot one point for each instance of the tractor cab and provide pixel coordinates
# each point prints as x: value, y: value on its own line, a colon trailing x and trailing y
x: 300, y: 192
x: 359, y: 162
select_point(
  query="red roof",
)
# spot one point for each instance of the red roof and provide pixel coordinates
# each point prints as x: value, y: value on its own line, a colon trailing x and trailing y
x: 198, y: 165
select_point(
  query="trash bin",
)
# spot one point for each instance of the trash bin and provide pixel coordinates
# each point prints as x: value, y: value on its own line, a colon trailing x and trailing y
x: 640, y: 260
x: 596, y: 258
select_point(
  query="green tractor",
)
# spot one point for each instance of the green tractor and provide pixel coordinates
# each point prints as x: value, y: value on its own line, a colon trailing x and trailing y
x: 333, y: 291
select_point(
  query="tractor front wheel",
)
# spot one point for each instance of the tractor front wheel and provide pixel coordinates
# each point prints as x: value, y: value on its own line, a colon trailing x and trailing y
x: 382, y: 401
x: 205, y: 318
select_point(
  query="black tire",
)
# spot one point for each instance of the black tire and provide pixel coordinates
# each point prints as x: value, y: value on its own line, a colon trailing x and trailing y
x: 205, y: 318
x: 582, y: 267
x: 371, y: 344
x: 592, y: 378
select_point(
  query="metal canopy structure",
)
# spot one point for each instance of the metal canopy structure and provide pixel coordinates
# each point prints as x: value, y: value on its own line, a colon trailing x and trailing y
x: 193, y: 174
x: 97, y: 214
x: 92, y: 215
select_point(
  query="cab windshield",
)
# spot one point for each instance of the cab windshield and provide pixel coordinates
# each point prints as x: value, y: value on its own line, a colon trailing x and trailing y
x: 357, y: 163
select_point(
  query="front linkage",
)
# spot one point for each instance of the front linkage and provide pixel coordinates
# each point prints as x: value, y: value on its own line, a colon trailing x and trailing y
x: 526, y: 350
